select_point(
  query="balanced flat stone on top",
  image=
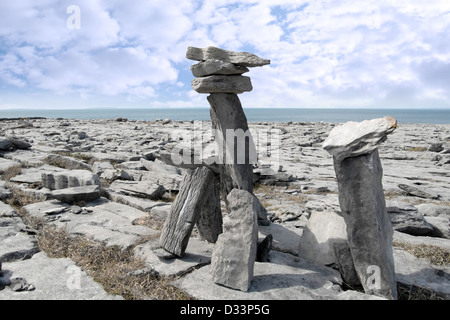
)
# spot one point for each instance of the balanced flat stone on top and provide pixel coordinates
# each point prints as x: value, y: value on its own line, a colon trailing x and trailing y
x: 222, y: 84
x: 240, y: 58
x: 216, y: 67
x: 357, y: 138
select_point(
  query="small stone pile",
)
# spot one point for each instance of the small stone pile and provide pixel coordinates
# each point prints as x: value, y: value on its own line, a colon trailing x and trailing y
x: 219, y: 73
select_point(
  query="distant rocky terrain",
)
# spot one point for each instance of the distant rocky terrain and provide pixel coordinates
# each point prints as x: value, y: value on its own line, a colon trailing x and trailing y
x: 108, y: 180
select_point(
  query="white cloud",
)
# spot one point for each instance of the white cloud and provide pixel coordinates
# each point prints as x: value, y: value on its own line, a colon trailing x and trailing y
x: 325, y: 53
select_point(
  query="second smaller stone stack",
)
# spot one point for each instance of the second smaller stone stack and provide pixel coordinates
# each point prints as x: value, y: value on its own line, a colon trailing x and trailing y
x: 220, y: 71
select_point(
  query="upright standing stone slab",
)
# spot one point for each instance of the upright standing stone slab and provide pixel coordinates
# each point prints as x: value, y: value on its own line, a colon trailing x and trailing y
x: 185, y: 210
x: 359, y: 175
x: 236, y: 155
x: 209, y: 223
x: 369, y: 231
x: 234, y: 254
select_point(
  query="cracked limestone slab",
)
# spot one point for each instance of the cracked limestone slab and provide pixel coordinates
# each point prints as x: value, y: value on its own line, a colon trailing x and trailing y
x: 53, y: 279
x: 198, y: 253
x: 286, y: 277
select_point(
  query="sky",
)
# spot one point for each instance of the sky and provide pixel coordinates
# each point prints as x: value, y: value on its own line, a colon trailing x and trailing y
x: 58, y: 54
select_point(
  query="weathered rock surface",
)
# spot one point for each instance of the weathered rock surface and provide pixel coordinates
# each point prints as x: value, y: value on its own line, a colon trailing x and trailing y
x: 369, y: 231
x: 77, y: 194
x: 15, y: 243
x: 185, y: 211
x: 417, y: 192
x: 140, y: 189
x: 13, y: 143
x: 322, y: 231
x: 286, y: 277
x: 198, y: 254
x: 52, y: 279
x: 68, y: 162
x: 289, y: 202
x: 358, y: 138
x: 69, y: 179
x: 406, y: 218
x: 212, y: 53
x: 234, y: 254
x: 104, y: 221
x: 216, y: 67
x: 222, y: 84
x: 209, y: 223
x: 228, y: 117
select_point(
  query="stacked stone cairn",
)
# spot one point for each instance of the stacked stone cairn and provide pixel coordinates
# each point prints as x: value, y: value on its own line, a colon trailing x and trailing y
x: 359, y: 174
x: 366, y: 257
x: 219, y: 73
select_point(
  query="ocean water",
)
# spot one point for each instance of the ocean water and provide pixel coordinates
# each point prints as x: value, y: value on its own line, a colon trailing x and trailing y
x: 432, y: 116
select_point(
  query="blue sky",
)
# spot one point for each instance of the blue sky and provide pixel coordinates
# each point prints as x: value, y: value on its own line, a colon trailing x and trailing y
x: 324, y: 53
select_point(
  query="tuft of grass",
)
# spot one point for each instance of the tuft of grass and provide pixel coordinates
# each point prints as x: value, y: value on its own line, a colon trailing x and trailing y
x: 435, y: 255
x: 20, y: 198
x: 417, y: 149
x: 11, y: 172
x: 110, y: 266
x: 411, y: 292
x: 276, y: 192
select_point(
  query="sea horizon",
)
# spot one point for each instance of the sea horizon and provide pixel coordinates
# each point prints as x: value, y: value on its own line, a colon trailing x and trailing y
x: 332, y: 115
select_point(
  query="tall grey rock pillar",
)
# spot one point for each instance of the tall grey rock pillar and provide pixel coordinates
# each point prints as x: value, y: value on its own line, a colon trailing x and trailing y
x: 237, y: 150
x: 359, y: 175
